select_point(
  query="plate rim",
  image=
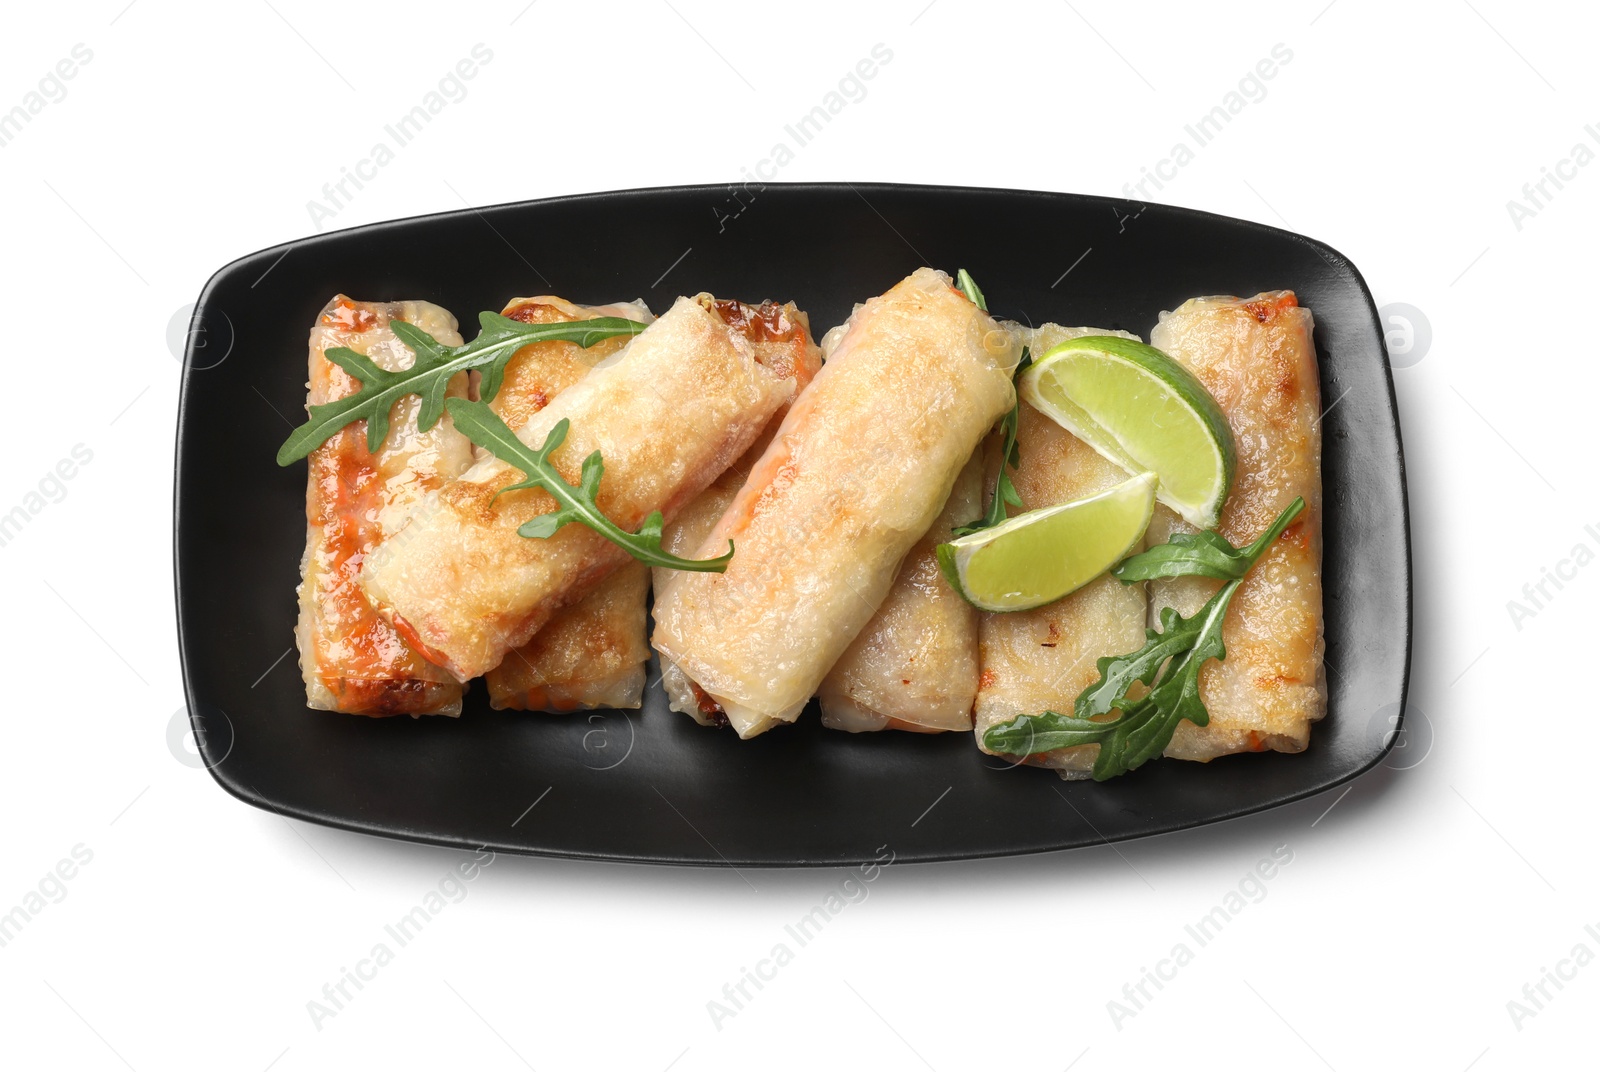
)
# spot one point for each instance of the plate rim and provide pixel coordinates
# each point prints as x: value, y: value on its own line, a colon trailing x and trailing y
x: 254, y: 797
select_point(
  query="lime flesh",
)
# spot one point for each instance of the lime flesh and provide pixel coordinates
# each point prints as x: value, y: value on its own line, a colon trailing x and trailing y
x: 1042, y: 555
x: 1142, y: 410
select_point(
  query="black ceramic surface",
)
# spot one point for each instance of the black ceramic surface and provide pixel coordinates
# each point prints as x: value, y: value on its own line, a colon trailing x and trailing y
x: 650, y: 785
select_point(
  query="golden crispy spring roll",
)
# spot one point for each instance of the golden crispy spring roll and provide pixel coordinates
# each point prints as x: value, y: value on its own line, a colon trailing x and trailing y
x: 915, y: 664
x: 857, y: 473
x: 1256, y: 358
x: 684, y: 535
x: 537, y: 373
x: 1040, y: 660
x: 593, y: 653
x: 351, y: 659
x: 672, y: 409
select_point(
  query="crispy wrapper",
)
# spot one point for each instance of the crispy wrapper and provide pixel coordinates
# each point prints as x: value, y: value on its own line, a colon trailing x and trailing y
x: 351, y: 659
x: 1256, y: 357
x: 856, y: 474
x: 668, y: 412
x: 1040, y: 660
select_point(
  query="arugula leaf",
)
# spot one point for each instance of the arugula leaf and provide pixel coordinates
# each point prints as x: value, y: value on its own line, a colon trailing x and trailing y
x: 578, y: 504
x: 1029, y: 735
x: 1203, y: 554
x: 1171, y: 658
x: 967, y: 286
x: 1005, y: 492
x: 1146, y: 725
x: 1119, y: 672
x: 429, y: 375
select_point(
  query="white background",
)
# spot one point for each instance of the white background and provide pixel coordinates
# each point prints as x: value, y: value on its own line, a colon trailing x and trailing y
x: 1418, y: 903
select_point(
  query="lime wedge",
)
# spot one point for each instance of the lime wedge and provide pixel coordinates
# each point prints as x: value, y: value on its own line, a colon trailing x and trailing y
x: 1142, y: 410
x: 1040, y: 556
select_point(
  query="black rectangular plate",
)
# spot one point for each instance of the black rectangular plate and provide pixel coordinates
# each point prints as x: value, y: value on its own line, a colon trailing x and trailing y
x: 650, y: 785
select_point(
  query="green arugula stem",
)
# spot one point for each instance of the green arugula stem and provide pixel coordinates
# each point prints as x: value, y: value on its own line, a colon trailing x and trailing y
x: 1005, y: 492
x: 968, y: 286
x: 578, y: 504
x: 1203, y: 554
x: 1169, y: 663
x: 429, y: 375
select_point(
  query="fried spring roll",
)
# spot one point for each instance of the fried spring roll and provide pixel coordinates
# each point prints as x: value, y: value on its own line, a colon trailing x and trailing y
x: 352, y: 660
x: 915, y: 664
x: 857, y: 473
x: 684, y: 535
x: 1256, y: 358
x: 1040, y: 660
x: 537, y: 373
x: 671, y: 410
x: 593, y: 653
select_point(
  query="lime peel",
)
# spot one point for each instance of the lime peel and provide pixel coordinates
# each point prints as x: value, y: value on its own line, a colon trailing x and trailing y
x: 1143, y: 411
x: 1043, y: 555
